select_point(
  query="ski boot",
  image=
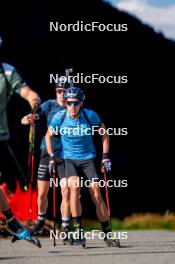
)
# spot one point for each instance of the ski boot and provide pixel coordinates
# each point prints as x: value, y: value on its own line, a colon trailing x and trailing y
x: 78, y: 237
x: 68, y: 238
x: 37, y: 228
x: 24, y: 234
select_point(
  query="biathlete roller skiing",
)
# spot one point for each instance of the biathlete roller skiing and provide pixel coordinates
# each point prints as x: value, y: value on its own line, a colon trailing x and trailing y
x: 11, y: 82
x: 42, y: 119
x: 79, y: 155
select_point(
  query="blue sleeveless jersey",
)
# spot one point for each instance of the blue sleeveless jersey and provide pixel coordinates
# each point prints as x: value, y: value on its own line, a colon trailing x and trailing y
x: 76, y: 136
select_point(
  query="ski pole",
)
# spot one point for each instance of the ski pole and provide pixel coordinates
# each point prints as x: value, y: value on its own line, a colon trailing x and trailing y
x: 54, y: 205
x: 32, y: 171
x: 31, y: 160
x: 107, y: 197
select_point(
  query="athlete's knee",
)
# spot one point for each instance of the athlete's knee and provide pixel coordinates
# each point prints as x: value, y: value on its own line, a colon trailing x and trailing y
x: 74, y: 185
x: 65, y: 192
x: 42, y: 194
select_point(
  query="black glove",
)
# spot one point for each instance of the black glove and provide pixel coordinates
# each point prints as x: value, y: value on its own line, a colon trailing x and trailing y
x: 52, y: 165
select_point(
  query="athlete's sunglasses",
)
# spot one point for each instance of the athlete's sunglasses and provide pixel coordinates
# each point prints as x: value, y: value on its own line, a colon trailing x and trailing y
x: 73, y: 103
x: 60, y: 91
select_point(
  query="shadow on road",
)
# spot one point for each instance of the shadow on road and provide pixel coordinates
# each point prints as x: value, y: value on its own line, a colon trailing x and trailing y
x: 4, y: 258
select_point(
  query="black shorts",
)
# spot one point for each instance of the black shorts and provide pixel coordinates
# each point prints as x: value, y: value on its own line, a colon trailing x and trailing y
x: 85, y: 168
x: 43, y: 171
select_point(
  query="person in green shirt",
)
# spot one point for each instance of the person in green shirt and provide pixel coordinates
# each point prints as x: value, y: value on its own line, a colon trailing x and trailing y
x: 11, y: 82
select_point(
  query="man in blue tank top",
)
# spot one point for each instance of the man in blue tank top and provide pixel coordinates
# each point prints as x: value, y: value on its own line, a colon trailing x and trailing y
x: 75, y: 127
x: 44, y: 116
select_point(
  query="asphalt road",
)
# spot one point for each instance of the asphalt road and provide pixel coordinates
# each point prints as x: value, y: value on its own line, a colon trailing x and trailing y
x: 141, y: 247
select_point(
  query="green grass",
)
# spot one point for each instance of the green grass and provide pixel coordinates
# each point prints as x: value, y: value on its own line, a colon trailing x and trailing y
x: 138, y: 221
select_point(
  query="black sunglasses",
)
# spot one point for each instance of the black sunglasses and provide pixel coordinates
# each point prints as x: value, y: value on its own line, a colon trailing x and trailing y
x: 73, y: 103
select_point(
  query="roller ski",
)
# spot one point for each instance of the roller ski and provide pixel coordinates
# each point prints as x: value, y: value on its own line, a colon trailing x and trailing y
x: 68, y: 237
x: 78, y: 237
x: 37, y: 228
x: 19, y: 232
x: 24, y: 234
x: 111, y: 241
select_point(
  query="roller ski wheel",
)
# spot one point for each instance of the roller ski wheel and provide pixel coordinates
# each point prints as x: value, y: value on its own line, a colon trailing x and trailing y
x: 112, y: 242
x: 68, y: 238
x: 24, y: 234
x: 68, y: 241
x: 79, y: 242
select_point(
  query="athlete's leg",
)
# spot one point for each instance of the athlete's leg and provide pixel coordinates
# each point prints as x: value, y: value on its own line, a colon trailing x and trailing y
x: 65, y: 203
x: 42, y: 201
x: 76, y: 209
x: 43, y: 188
x: 102, y: 215
x: 75, y: 203
x: 101, y: 209
x: 4, y: 206
x: 15, y: 228
x: 12, y: 222
x: 96, y: 196
x: 89, y: 169
x: 65, y: 193
x: 72, y: 174
x: 70, y: 199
